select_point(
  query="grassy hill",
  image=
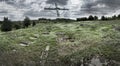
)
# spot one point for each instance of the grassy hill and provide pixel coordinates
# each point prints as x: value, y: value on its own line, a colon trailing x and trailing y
x: 60, y: 43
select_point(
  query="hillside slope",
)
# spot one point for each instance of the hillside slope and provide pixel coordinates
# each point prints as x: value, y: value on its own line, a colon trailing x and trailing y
x: 60, y: 43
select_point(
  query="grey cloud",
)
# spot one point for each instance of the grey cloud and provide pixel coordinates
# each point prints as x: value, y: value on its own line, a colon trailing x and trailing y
x: 32, y: 14
x: 110, y: 6
x: 16, y: 3
x: 39, y: 14
x: 60, y: 2
x: 88, y: 7
x: 110, y: 3
x: 3, y: 11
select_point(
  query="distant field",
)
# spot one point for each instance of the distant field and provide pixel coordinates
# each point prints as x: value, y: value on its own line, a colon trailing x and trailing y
x: 60, y: 42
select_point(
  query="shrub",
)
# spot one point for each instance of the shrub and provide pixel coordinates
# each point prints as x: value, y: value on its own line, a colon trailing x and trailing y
x: 33, y: 24
x: 95, y: 18
x: 119, y: 16
x: 114, y: 17
x: 6, y: 25
x: 82, y: 19
x: 16, y: 26
x: 90, y: 17
x: 26, y: 22
x: 103, y: 18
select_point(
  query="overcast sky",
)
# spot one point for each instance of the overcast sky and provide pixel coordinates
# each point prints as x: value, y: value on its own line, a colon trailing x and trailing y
x: 18, y: 9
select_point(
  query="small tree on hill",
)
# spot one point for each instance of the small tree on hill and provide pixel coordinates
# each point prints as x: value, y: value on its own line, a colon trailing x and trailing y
x: 95, y: 18
x: 103, y: 18
x: 26, y: 22
x: 6, y: 25
x: 114, y: 17
x: 33, y: 24
x: 90, y: 17
x: 119, y: 16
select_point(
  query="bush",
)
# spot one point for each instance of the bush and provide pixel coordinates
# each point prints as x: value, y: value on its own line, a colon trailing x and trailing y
x: 103, y: 18
x: 6, y: 25
x: 26, y: 22
x: 16, y: 26
x: 82, y: 19
x: 95, y: 18
x: 33, y: 24
x: 90, y: 17
x: 114, y: 17
x: 119, y: 16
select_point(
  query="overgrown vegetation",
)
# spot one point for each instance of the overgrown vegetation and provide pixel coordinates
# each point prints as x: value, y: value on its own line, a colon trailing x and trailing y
x: 26, y: 22
x: 60, y: 44
x: 6, y: 25
x: 103, y: 18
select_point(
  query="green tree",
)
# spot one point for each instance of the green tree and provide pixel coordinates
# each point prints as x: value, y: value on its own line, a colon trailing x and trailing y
x: 6, y: 25
x: 114, y: 17
x: 33, y: 24
x: 119, y: 16
x: 95, y: 18
x: 90, y: 17
x: 26, y: 22
x: 103, y: 18
x: 17, y: 26
x: 82, y: 19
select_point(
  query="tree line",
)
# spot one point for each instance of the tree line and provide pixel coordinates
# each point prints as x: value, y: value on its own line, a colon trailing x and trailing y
x: 90, y: 18
x: 8, y: 25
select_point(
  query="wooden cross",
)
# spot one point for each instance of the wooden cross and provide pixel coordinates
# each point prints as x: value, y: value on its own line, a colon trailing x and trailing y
x: 57, y: 9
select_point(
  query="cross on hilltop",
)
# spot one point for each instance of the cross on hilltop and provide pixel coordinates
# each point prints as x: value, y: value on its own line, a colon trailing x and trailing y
x: 57, y: 9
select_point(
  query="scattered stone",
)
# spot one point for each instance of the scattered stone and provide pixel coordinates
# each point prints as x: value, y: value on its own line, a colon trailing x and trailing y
x: 47, y: 48
x: 36, y: 35
x: 102, y: 59
x: 60, y: 34
x: 117, y: 28
x: 81, y: 24
x: 67, y: 38
x: 60, y: 40
x: 96, y: 61
x: 63, y: 38
x: 14, y: 50
x: 24, y: 44
x: 72, y: 40
x: 32, y: 38
x: 45, y: 55
x: 32, y: 42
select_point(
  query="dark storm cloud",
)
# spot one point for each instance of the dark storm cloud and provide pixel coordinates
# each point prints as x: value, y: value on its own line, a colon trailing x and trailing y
x: 31, y: 7
x: 15, y: 3
x: 102, y: 7
x: 110, y: 3
x: 60, y: 2
x: 3, y: 11
x: 4, y: 0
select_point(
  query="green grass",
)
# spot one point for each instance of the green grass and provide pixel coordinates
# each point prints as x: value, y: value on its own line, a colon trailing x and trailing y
x: 90, y: 37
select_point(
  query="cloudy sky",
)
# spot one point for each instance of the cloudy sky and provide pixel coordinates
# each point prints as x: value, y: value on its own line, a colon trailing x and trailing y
x: 18, y: 9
